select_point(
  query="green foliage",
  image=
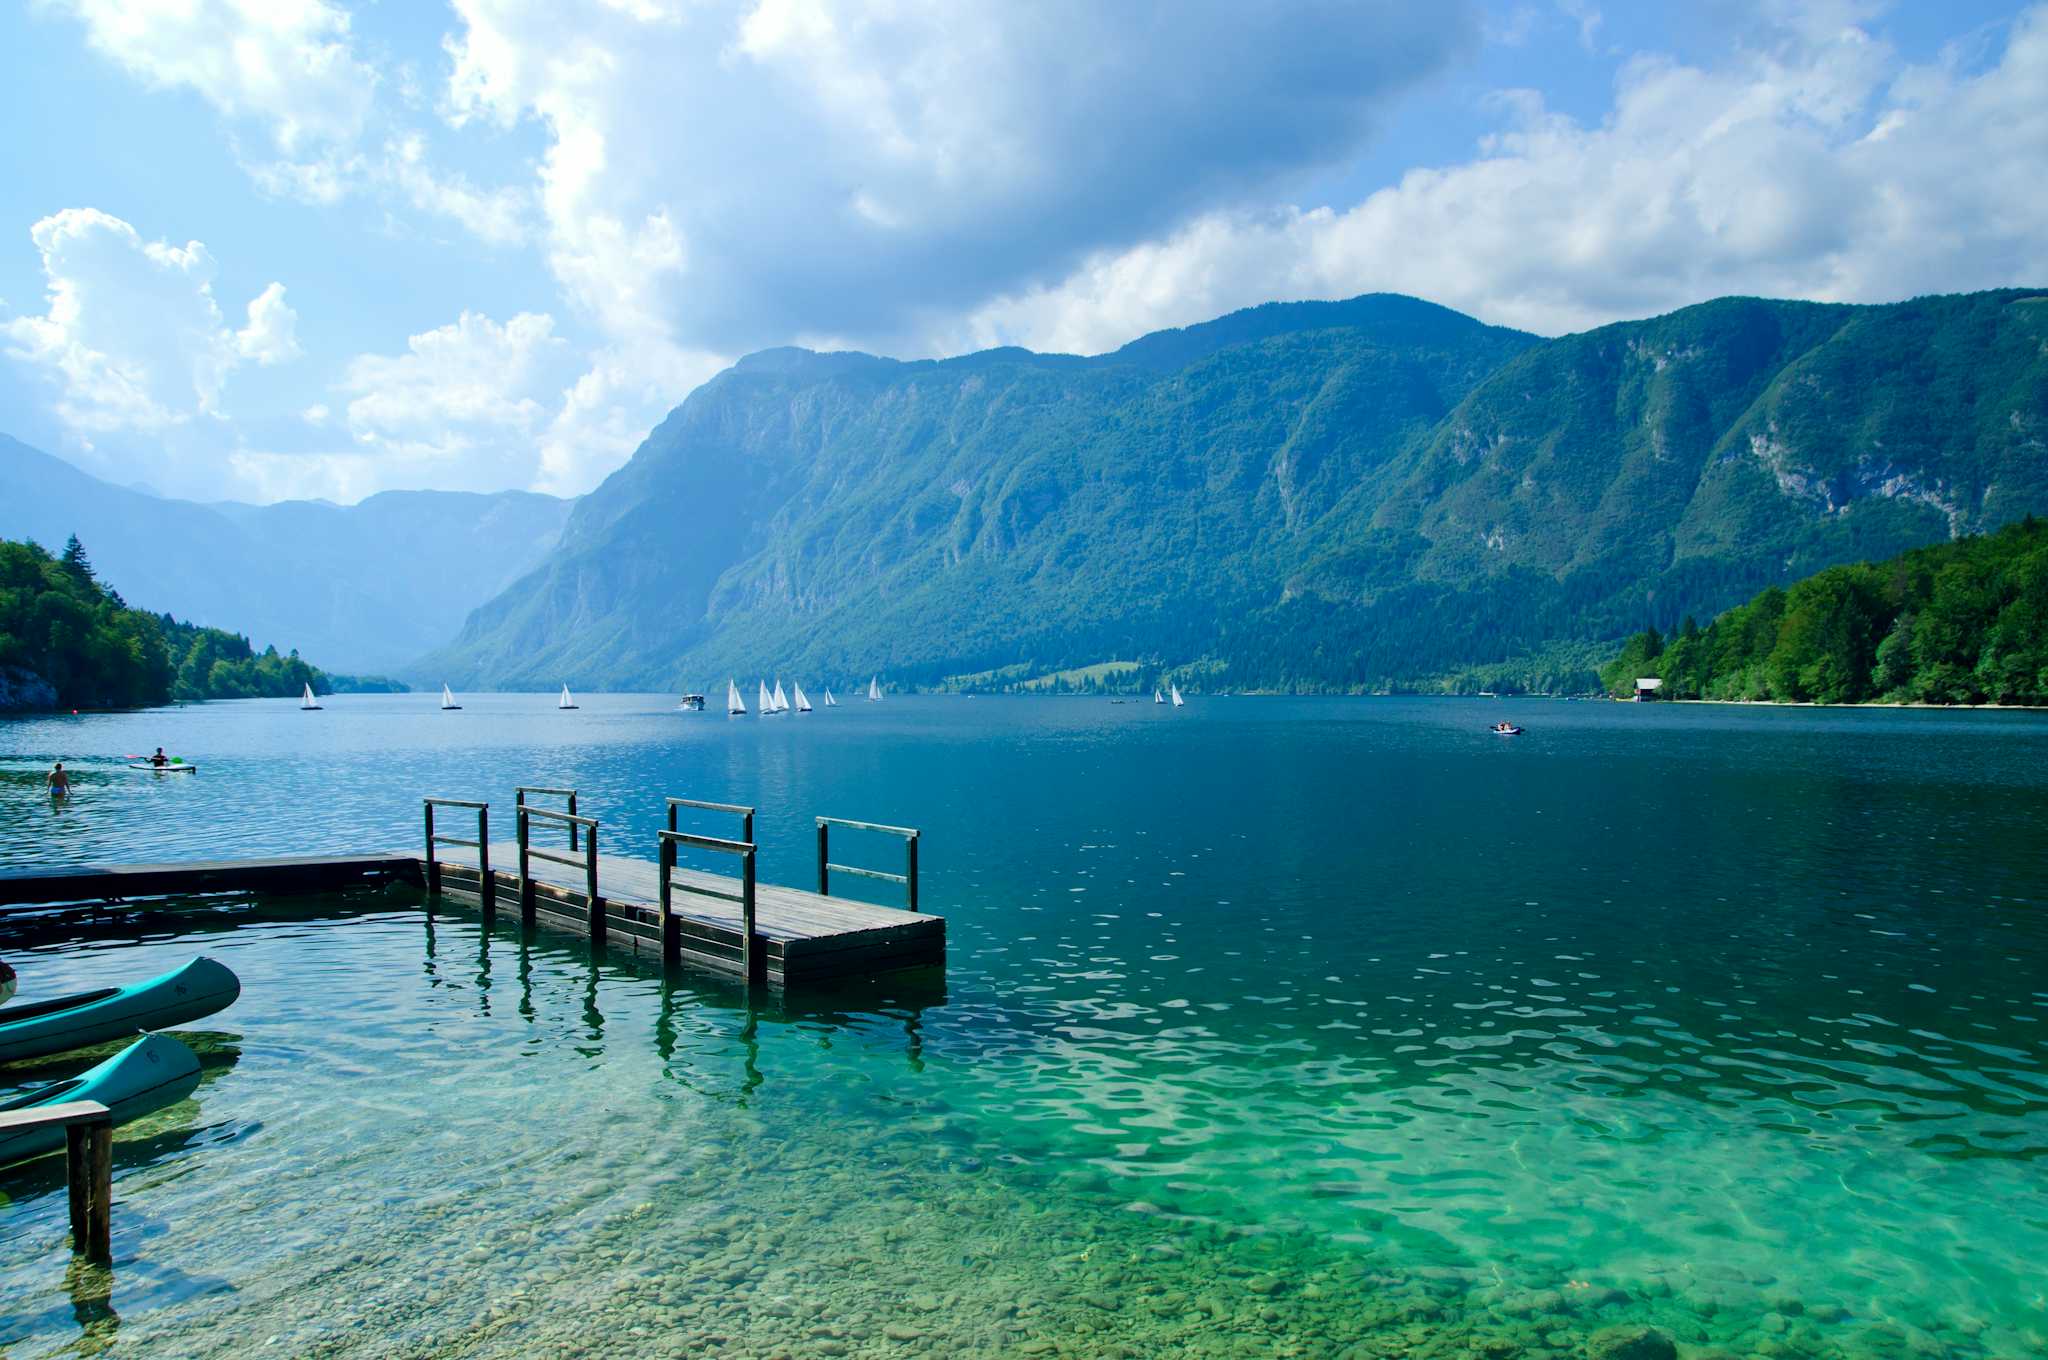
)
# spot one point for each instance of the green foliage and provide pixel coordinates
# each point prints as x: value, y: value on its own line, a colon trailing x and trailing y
x: 1960, y: 623
x: 59, y: 622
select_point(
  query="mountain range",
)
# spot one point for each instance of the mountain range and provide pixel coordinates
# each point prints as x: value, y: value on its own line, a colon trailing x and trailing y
x: 366, y: 587
x: 1351, y: 495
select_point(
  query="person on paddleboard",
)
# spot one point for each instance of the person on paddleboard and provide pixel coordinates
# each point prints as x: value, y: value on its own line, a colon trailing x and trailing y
x: 58, y: 782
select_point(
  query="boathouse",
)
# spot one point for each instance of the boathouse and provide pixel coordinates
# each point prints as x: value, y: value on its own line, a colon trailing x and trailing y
x: 1647, y: 688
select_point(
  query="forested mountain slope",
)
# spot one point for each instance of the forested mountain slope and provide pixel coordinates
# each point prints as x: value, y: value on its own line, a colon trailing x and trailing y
x: 1346, y: 495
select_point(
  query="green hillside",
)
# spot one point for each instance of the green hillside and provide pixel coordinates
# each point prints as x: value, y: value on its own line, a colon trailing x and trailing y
x: 68, y: 640
x: 1961, y: 623
x: 1353, y: 495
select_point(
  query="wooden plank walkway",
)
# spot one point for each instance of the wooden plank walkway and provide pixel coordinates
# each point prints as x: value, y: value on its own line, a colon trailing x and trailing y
x: 285, y: 874
x: 804, y: 936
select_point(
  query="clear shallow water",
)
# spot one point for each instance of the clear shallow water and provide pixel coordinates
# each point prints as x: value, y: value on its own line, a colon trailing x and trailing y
x: 1268, y: 1024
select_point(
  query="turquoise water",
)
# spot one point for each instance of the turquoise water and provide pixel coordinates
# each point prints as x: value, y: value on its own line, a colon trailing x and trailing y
x: 1270, y: 1027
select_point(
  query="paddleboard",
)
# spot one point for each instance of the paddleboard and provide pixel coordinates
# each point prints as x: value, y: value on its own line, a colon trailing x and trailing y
x: 165, y: 769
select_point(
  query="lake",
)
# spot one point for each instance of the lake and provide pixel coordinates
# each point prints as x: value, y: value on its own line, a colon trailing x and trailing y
x: 1270, y: 1027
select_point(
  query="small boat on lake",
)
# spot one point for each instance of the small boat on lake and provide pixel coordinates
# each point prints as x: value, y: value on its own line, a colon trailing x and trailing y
x: 803, y: 705
x: 781, y: 699
x: 187, y: 993
x: 734, y: 705
x: 830, y: 702
x: 1505, y: 729
x: 875, y: 690
x: 448, y: 704
x: 1178, y: 702
x: 151, y: 1073
x: 694, y: 703
x: 764, y: 702
x: 168, y: 767
x: 307, y: 703
x: 567, y: 700
x: 1157, y: 697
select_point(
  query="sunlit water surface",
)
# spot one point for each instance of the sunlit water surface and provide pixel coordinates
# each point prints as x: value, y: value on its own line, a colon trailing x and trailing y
x: 1269, y: 1027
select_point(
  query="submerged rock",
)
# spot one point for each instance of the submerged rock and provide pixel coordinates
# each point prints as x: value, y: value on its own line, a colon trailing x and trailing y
x: 1631, y: 1343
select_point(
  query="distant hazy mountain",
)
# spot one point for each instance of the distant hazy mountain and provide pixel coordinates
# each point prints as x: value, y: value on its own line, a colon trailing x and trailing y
x: 1314, y: 495
x: 365, y: 587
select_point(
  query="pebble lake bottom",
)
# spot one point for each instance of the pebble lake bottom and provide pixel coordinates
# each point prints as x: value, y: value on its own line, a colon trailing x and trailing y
x: 1269, y: 1027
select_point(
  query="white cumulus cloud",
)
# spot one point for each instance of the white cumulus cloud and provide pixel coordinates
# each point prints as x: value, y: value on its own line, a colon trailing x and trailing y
x: 464, y: 397
x: 1816, y: 166
x: 287, y: 65
x: 133, y: 338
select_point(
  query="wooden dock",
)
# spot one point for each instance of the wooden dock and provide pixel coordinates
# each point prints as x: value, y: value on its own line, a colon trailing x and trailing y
x: 768, y: 934
x: 118, y: 882
x: 801, y: 937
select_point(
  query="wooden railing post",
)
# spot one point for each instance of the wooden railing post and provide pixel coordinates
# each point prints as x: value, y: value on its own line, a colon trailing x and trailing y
x: 433, y: 869
x: 89, y: 1167
x: 824, y: 872
x: 671, y: 934
x: 749, y: 952
x: 590, y: 878
x: 572, y: 825
x: 910, y: 868
x: 487, y: 884
x: 525, y: 872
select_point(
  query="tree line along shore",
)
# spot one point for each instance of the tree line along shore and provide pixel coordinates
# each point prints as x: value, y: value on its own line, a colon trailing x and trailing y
x: 1964, y: 622
x: 68, y: 640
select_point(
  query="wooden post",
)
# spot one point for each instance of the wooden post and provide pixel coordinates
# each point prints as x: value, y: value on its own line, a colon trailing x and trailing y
x: 671, y: 934
x: 89, y: 1168
x: 910, y: 868
x: 487, y: 884
x: 590, y: 881
x: 525, y: 876
x: 748, y: 955
x: 824, y: 874
x: 572, y: 825
x: 433, y: 869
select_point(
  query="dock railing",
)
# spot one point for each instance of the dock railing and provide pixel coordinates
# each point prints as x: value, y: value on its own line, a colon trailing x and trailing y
x: 519, y: 801
x: 587, y: 861
x: 826, y: 868
x: 752, y: 960
x: 745, y: 814
x: 487, y: 886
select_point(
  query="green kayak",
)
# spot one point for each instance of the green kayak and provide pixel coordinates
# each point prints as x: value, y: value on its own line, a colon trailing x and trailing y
x: 199, y: 988
x: 154, y: 1071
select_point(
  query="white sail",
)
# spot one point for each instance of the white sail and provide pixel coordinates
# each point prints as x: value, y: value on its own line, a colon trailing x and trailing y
x: 803, y: 705
x: 448, y: 698
x: 308, y: 701
x: 1177, y: 700
x: 1157, y: 697
x: 875, y: 689
x: 566, y: 701
x: 781, y: 699
x: 830, y: 702
x: 762, y: 702
x: 733, y: 703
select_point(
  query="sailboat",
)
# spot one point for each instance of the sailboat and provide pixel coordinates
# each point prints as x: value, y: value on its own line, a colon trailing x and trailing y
x: 1177, y: 700
x: 763, y: 703
x: 875, y: 690
x: 733, y: 704
x: 1157, y: 697
x: 830, y: 702
x: 448, y: 703
x: 803, y: 705
x: 308, y: 704
x: 566, y: 701
x: 781, y: 699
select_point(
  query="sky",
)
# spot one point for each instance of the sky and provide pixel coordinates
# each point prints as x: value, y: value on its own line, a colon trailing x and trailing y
x: 268, y: 249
